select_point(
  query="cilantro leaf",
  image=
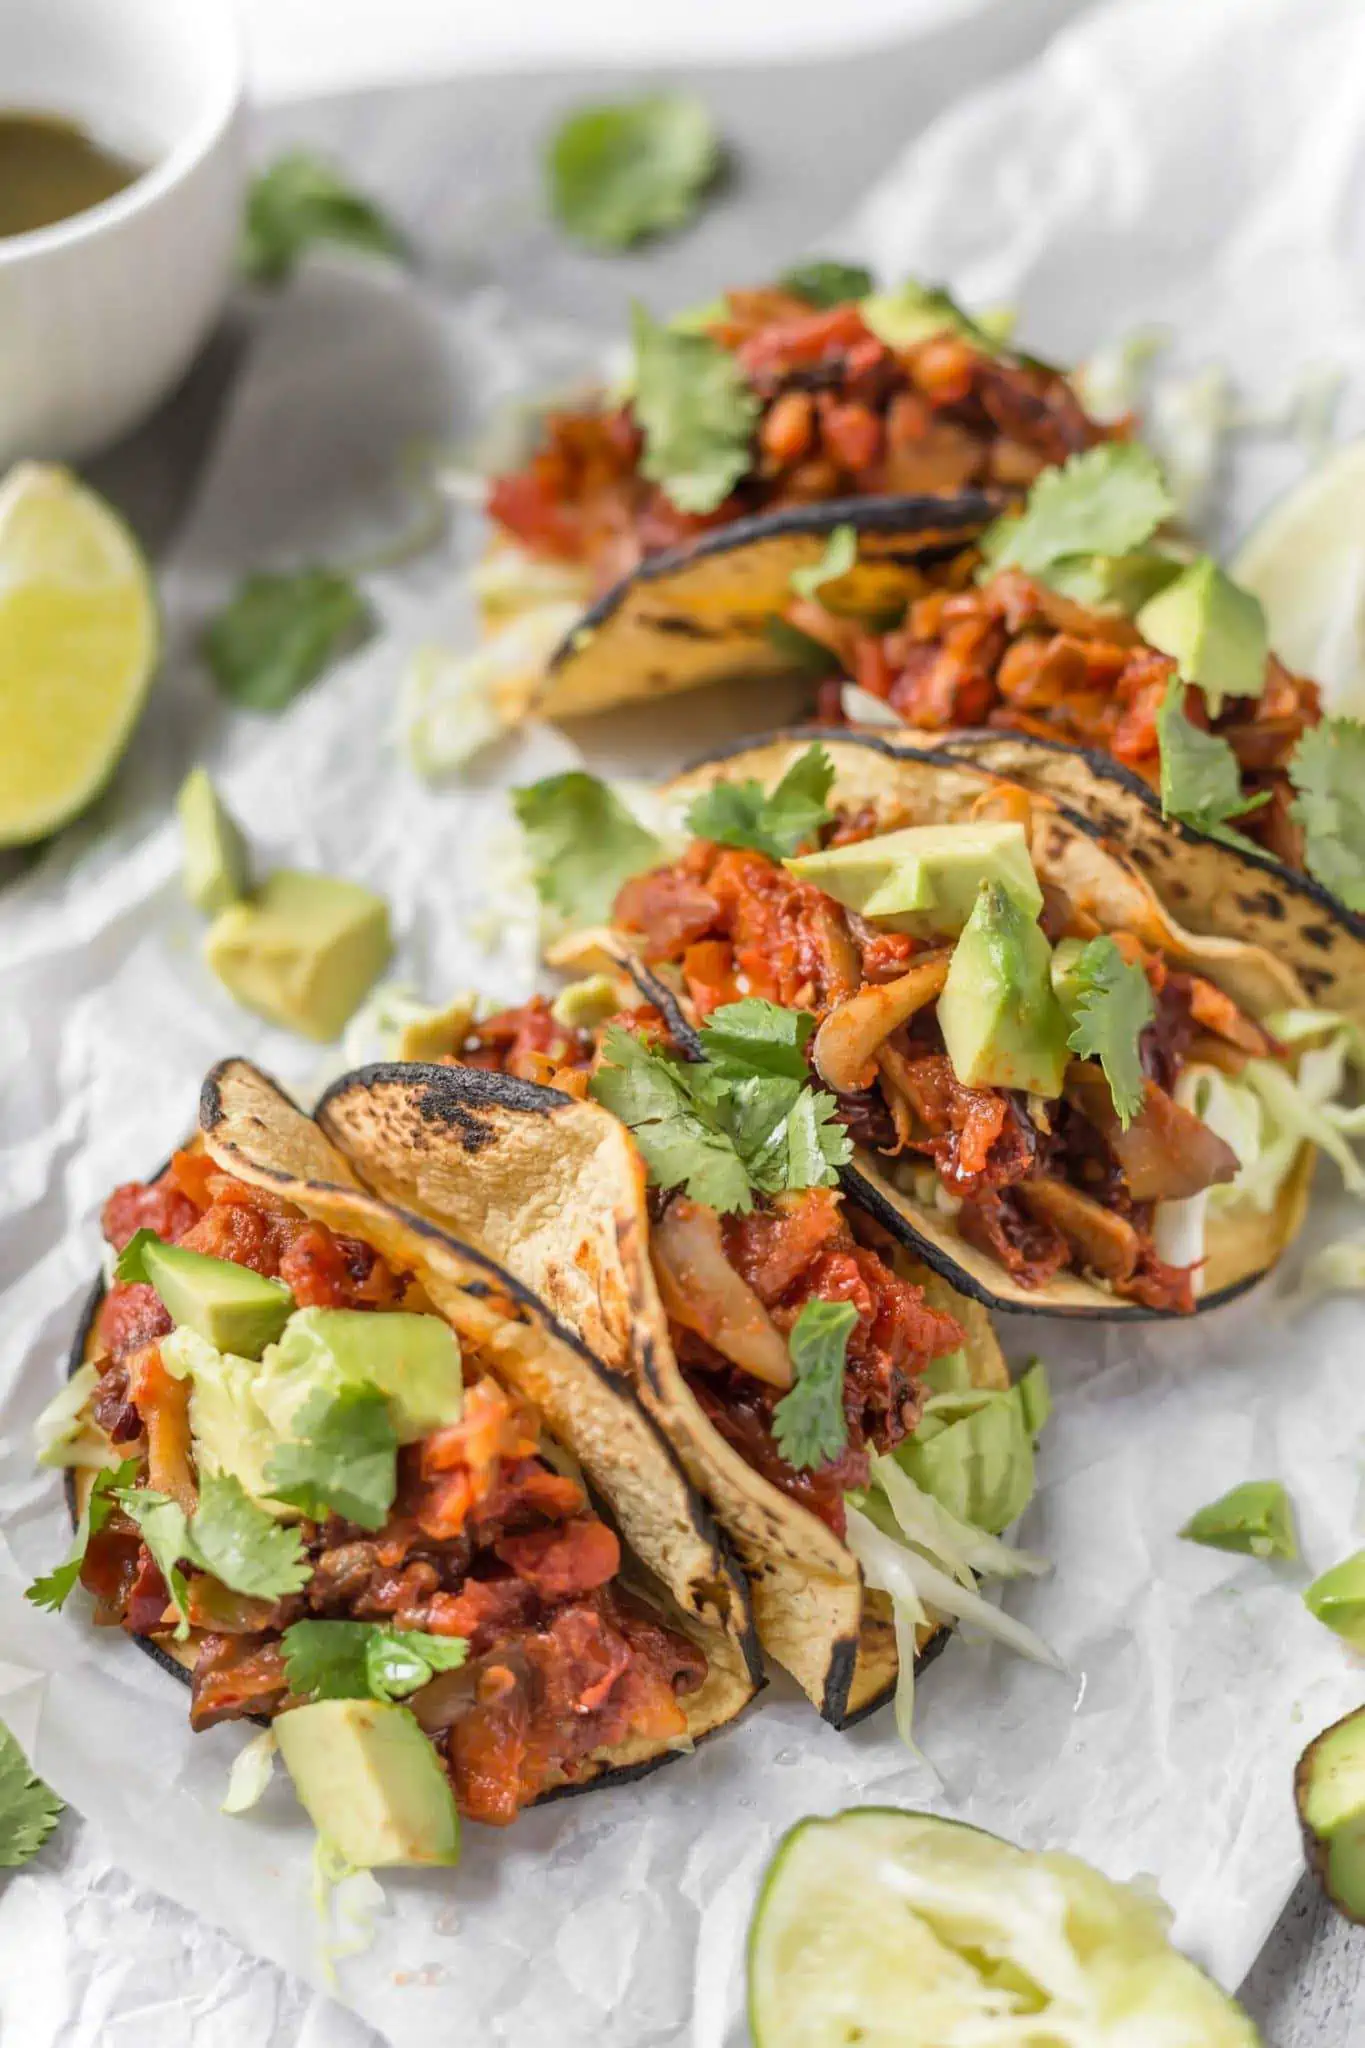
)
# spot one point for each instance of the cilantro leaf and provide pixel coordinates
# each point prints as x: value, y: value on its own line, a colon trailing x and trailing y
x: 839, y: 555
x: 822, y: 282
x: 300, y: 200
x: 758, y: 1037
x: 53, y: 1590
x: 809, y: 1424
x: 242, y: 1545
x: 682, y: 1147
x: 361, y: 1660
x: 1105, y: 501
x: 1201, y: 778
x: 1327, y: 769
x: 1110, y: 1003
x: 278, y: 634
x: 345, y: 1459
x: 629, y: 168
x: 28, y: 1807
x: 720, y: 1128
x: 162, y: 1525
x: 739, y: 814
x: 128, y: 1265
x: 583, y: 843
x: 696, y: 412
x: 802, y: 652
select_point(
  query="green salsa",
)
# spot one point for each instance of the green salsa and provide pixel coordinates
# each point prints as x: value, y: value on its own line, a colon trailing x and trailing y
x: 51, y: 168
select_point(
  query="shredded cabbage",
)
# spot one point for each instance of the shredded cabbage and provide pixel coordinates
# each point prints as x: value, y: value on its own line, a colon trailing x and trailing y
x: 966, y: 1550
x: 62, y: 1435
x: 452, y: 706
x: 250, y: 1773
x: 509, y: 581
x: 904, y: 1573
x: 1337, y: 1269
x: 860, y: 707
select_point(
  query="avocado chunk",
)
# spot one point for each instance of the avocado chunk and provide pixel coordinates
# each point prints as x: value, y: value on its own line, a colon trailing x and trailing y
x: 1337, y: 1598
x: 413, y: 1360
x: 585, y: 1004
x: 437, y: 1034
x: 1213, y: 630
x: 303, y: 951
x: 1329, y: 1790
x: 370, y: 1781
x: 214, y: 864
x: 1002, y: 1025
x: 925, y: 879
x: 1255, y: 1518
x: 232, y: 1307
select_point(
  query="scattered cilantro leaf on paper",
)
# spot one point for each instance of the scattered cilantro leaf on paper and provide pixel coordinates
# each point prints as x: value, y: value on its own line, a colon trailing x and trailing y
x: 1327, y: 769
x: 740, y: 814
x: 53, y: 1589
x: 838, y: 557
x: 1105, y: 501
x: 1201, y: 778
x: 28, y: 1808
x: 809, y: 1424
x: 242, y: 1545
x: 344, y: 1459
x: 823, y: 282
x: 163, y: 1527
x: 696, y: 412
x: 583, y: 843
x: 1111, y: 1009
x: 360, y: 1660
x: 279, y: 632
x: 300, y: 200
x: 625, y: 169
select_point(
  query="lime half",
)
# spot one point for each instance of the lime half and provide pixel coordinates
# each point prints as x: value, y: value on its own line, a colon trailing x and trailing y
x: 899, y: 1930
x: 1306, y: 563
x: 78, y: 646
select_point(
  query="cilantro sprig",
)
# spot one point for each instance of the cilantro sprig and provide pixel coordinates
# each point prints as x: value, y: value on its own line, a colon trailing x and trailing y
x: 1110, y: 1001
x: 300, y: 200
x: 583, y: 843
x: 1201, y: 778
x: 278, y: 633
x: 29, y: 1809
x: 239, y: 1543
x: 1105, y: 501
x: 360, y: 1660
x: 809, y: 1424
x: 742, y: 814
x: 343, y: 1459
x: 1327, y: 769
x: 54, y: 1589
x: 823, y: 282
x: 630, y: 168
x: 741, y: 1120
x: 696, y: 412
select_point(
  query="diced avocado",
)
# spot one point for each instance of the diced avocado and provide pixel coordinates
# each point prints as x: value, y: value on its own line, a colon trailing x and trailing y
x: 1329, y: 1788
x: 228, y: 1427
x: 1125, y: 582
x: 925, y: 879
x: 214, y: 864
x: 1255, y: 1519
x: 436, y: 1034
x: 232, y: 1307
x: 915, y: 312
x: 371, y: 1782
x: 1002, y: 1025
x: 414, y: 1360
x: 1213, y: 630
x: 585, y: 1004
x: 1337, y: 1598
x: 303, y: 951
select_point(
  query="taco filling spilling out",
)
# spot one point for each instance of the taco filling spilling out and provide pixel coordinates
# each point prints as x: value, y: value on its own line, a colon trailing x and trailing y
x: 314, y: 1492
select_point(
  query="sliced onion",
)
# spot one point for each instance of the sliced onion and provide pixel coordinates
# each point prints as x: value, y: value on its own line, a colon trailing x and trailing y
x: 846, y: 1043
x: 701, y: 1290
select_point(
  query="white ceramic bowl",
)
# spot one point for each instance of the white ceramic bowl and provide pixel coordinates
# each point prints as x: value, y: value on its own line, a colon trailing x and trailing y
x: 101, y: 314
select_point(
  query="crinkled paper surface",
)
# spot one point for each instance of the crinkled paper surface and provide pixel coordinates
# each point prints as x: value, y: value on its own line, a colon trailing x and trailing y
x: 1202, y: 165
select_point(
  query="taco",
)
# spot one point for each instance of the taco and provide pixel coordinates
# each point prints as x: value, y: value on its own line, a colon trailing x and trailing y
x: 1058, y: 1096
x: 848, y: 1417
x: 370, y: 1490
x: 676, y: 506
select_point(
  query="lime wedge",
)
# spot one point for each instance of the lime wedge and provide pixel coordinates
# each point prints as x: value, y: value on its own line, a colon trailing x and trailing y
x: 1306, y: 563
x: 78, y: 646
x: 898, y: 1930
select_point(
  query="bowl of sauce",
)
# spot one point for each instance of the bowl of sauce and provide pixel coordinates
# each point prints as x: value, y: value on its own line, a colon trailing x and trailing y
x: 121, y: 185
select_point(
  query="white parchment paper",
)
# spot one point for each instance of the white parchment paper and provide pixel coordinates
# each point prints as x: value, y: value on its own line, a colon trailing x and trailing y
x: 1198, y: 163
